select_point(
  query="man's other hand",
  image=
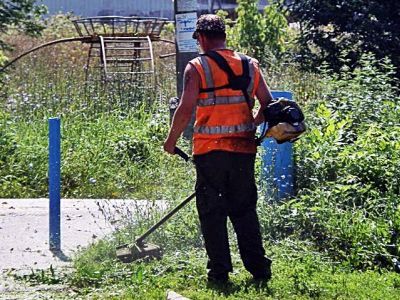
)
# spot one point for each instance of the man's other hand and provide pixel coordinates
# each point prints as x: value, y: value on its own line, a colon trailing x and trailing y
x: 169, y: 146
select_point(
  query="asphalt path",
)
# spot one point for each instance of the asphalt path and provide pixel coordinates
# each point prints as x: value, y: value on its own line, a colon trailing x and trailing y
x: 24, y: 229
x: 24, y: 238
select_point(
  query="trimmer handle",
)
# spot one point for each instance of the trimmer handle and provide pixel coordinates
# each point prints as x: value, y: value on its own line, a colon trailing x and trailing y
x: 181, y: 154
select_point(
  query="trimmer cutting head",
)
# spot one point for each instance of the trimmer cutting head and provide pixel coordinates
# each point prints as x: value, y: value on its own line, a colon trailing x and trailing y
x: 127, y: 253
x: 141, y: 250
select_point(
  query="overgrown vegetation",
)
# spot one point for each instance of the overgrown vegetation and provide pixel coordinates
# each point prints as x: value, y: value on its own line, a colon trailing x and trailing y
x: 348, y: 171
x: 332, y: 27
x: 262, y: 35
x: 299, y: 273
x: 116, y: 130
x: 338, y: 238
x: 20, y: 16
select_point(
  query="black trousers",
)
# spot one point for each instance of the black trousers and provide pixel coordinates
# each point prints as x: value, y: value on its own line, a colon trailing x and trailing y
x: 225, y: 188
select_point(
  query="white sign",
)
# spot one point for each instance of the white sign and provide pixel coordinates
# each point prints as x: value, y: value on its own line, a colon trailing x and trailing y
x: 185, y: 26
x: 187, y: 5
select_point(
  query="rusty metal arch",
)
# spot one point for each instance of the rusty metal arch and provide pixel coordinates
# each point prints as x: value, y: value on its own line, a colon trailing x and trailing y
x: 65, y: 40
x: 96, y: 30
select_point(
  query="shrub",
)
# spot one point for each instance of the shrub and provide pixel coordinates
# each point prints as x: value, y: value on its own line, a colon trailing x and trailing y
x: 329, y: 27
x: 348, y: 170
x: 262, y: 35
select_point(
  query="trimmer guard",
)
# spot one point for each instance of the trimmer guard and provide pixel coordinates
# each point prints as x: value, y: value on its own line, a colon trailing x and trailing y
x: 127, y: 254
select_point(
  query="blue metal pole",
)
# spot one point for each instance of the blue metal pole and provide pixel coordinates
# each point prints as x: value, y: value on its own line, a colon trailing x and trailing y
x: 278, y: 164
x: 54, y: 183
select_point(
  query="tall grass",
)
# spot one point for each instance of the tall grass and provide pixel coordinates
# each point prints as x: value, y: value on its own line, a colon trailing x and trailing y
x: 116, y: 128
x: 112, y: 132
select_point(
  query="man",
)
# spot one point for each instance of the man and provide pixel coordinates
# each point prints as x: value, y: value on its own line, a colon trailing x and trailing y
x: 224, y: 150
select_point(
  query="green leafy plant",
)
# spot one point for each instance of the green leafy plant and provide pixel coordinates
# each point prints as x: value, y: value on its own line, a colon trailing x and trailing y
x: 22, y: 15
x: 263, y: 35
x: 328, y: 28
x: 348, y: 170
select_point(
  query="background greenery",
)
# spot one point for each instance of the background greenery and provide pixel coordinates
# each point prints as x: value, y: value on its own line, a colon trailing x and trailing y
x: 330, y: 28
x: 22, y: 15
x: 338, y: 238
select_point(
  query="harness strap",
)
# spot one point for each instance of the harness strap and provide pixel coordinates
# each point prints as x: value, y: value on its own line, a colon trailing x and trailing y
x: 221, y: 62
x: 224, y: 66
x: 245, y: 65
x: 212, y: 89
x: 246, y: 72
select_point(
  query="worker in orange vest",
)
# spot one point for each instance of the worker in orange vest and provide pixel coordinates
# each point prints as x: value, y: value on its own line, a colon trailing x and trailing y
x: 222, y: 85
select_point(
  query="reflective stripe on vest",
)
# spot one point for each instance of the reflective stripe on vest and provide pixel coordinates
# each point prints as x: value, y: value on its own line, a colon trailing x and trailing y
x: 225, y: 129
x: 221, y: 100
x: 208, y: 74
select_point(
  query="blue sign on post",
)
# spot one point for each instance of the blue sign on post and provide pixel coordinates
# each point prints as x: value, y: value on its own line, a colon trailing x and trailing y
x: 54, y: 183
x: 277, y: 163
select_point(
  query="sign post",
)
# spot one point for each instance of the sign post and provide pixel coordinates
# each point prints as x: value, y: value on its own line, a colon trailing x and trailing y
x: 54, y: 183
x: 278, y: 164
x: 186, y: 46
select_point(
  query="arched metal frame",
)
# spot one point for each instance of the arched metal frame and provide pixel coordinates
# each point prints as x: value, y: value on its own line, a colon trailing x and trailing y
x: 66, y: 40
x: 98, y: 31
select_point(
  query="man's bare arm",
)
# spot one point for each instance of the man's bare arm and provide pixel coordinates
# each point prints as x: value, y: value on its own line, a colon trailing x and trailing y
x: 264, y: 97
x: 185, y: 109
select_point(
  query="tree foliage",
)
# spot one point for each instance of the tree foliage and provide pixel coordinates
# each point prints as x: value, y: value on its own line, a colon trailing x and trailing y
x: 259, y: 34
x: 22, y: 15
x: 332, y: 27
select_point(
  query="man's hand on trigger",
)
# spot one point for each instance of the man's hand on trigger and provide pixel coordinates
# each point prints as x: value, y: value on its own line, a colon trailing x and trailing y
x: 169, y: 146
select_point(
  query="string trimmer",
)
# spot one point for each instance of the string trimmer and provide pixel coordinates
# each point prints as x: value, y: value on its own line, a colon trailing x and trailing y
x: 140, y: 249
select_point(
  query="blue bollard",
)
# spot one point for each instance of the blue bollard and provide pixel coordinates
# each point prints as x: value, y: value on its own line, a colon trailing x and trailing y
x: 54, y: 183
x: 277, y: 163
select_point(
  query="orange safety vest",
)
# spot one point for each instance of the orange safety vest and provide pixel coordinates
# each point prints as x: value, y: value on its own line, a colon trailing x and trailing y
x: 224, y: 119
